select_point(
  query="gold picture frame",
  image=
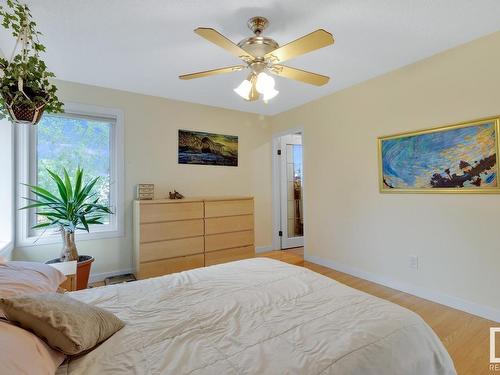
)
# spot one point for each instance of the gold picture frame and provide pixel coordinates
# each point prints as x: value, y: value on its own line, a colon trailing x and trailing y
x: 480, y: 138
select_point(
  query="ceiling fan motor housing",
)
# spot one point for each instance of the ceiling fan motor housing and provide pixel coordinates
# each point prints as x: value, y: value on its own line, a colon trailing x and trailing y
x: 257, y: 24
x: 258, y: 45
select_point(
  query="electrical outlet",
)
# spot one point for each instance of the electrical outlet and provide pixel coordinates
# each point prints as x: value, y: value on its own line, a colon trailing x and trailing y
x: 413, y: 262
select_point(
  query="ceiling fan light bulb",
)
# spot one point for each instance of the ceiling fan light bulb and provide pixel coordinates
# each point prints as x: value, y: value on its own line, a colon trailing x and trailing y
x: 243, y: 89
x: 264, y: 83
x: 268, y: 95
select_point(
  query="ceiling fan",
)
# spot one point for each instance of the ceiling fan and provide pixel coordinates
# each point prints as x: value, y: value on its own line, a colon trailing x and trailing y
x: 261, y: 55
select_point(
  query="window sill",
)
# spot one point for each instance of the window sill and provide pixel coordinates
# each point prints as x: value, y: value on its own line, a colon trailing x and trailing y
x: 55, y: 238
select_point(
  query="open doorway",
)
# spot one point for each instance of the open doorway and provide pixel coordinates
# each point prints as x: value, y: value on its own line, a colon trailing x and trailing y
x: 288, y: 179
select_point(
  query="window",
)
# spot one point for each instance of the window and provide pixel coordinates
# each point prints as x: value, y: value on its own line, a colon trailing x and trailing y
x: 82, y: 136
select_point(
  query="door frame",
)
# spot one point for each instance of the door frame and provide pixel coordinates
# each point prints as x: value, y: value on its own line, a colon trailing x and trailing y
x: 276, y: 202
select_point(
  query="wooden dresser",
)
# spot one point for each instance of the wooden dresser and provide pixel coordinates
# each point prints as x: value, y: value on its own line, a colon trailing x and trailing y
x: 178, y: 235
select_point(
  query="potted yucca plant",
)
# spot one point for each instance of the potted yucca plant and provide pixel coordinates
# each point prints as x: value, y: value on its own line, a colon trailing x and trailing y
x: 25, y: 90
x: 74, y: 207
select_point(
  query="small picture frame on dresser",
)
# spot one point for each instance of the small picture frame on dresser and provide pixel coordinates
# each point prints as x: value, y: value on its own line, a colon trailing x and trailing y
x: 145, y: 192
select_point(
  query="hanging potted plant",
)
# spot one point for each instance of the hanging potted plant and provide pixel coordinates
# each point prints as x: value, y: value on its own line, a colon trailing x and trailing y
x: 25, y: 89
x: 74, y: 207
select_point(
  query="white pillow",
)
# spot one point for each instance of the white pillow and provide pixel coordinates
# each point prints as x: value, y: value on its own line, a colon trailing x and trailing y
x: 19, y: 278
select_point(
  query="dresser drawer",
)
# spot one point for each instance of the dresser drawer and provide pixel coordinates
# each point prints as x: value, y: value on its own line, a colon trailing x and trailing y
x: 228, y: 208
x: 229, y: 255
x: 226, y: 224
x: 152, y: 213
x: 166, y: 266
x: 171, y: 230
x: 171, y: 249
x: 228, y: 240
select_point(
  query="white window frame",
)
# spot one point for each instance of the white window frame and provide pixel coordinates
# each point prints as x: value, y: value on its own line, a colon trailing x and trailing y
x: 26, y: 167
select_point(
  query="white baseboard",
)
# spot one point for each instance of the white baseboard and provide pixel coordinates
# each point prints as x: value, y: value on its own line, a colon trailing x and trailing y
x: 263, y: 249
x: 474, y: 308
x: 95, y: 277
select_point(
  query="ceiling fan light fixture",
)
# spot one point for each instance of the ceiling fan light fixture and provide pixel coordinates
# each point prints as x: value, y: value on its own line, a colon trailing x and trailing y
x: 268, y: 95
x: 244, y: 89
x: 265, y: 86
x: 265, y: 83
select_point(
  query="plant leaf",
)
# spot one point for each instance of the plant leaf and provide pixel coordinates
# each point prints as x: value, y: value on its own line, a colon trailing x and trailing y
x: 43, y: 193
x: 43, y: 225
x: 78, y: 182
x: 87, y: 189
x: 67, y: 184
x: 34, y: 205
x: 84, y: 222
x: 60, y: 186
x: 52, y: 214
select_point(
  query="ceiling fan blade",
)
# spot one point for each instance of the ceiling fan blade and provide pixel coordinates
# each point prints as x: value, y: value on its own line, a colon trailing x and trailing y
x: 310, y: 42
x: 217, y: 38
x: 212, y: 72
x: 299, y: 75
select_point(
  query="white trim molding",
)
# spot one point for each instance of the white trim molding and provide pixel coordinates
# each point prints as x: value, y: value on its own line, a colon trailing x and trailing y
x: 8, y: 205
x: 25, y: 166
x: 264, y: 249
x: 474, y: 308
x: 276, y: 195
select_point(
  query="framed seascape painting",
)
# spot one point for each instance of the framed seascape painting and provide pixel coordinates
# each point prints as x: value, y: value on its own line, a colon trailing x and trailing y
x: 207, y: 148
x: 460, y: 158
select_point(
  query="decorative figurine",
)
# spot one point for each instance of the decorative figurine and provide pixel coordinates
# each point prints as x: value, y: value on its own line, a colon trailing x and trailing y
x: 175, y: 195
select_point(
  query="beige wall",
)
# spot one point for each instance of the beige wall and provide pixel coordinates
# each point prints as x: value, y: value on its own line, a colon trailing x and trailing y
x: 349, y: 223
x: 151, y: 126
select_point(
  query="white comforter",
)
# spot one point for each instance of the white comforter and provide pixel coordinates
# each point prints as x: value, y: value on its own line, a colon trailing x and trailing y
x: 257, y: 316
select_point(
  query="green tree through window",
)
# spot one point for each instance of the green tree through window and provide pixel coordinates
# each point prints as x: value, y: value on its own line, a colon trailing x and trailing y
x: 67, y: 141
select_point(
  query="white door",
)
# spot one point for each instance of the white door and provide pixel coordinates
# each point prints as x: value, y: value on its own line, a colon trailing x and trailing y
x: 291, y: 191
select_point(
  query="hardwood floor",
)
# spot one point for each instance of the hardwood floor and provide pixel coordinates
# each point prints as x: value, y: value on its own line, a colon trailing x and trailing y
x: 465, y: 336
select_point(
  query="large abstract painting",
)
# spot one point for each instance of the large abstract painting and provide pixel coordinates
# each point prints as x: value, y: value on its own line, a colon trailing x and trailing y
x: 207, y: 148
x: 457, y: 158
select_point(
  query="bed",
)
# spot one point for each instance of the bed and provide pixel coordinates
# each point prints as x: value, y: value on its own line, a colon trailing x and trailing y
x: 257, y: 316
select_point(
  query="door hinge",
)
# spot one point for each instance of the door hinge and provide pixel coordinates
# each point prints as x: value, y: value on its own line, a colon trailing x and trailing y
x: 279, y: 152
x: 280, y: 233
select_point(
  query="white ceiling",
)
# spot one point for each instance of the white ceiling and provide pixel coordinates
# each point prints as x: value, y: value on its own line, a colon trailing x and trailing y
x: 143, y: 45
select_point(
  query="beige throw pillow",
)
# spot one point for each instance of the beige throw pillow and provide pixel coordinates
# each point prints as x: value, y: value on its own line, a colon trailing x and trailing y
x: 66, y: 324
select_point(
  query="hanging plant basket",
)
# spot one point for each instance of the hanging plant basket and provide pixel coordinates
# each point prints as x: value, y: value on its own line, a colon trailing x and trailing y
x: 25, y: 90
x: 24, y: 113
